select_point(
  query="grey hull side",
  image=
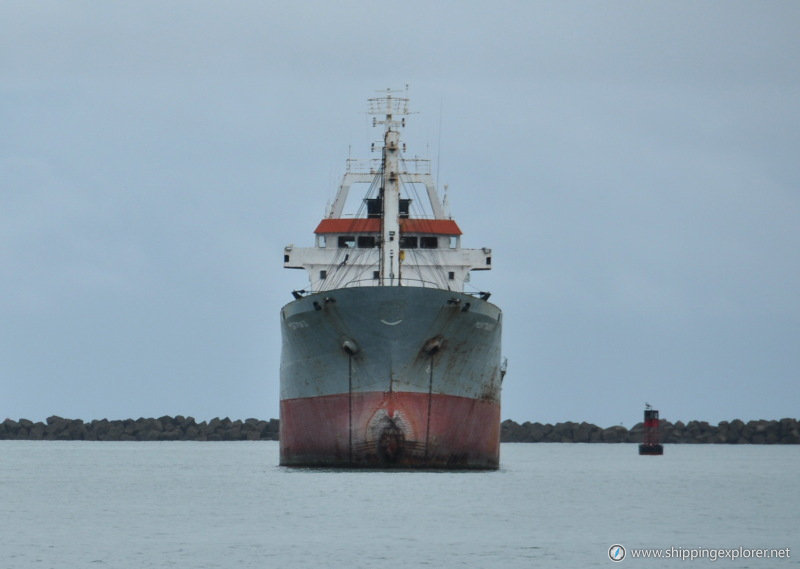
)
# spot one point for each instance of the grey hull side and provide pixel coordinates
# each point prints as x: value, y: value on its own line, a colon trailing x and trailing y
x: 391, y: 339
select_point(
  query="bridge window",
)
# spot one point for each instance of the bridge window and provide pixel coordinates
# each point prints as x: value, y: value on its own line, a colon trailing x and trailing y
x: 366, y: 241
x: 429, y: 242
x: 451, y: 275
x: 347, y: 241
x: 408, y: 242
x: 375, y: 207
x: 322, y: 275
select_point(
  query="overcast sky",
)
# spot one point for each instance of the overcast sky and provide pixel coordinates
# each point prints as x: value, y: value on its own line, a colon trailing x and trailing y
x: 633, y: 165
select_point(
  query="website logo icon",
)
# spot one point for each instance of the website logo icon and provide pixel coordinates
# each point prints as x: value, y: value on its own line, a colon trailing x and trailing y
x: 616, y: 553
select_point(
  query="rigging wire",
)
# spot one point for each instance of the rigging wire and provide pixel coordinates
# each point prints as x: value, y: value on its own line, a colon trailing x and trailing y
x: 425, y: 219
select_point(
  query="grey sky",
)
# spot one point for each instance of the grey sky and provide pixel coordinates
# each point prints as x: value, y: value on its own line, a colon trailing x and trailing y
x: 634, y: 167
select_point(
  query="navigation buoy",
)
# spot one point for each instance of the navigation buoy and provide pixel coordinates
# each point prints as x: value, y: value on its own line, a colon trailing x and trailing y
x: 651, y: 444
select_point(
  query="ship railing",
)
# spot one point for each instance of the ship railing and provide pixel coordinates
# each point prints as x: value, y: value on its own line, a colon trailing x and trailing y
x: 361, y: 166
x: 422, y: 283
x: 483, y: 295
x: 403, y: 282
x: 362, y: 215
x: 373, y: 166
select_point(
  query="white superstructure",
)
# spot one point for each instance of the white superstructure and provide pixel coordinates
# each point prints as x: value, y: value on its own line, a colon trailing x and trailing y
x: 397, y: 237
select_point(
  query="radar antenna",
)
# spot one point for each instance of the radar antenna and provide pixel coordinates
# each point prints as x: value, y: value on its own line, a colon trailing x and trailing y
x: 387, y: 106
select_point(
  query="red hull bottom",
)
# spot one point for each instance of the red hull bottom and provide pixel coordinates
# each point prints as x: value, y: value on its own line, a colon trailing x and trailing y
x: 389, y: 430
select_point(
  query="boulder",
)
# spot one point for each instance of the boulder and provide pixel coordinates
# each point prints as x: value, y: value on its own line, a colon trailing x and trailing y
x: 76, y: 430
x: 9, y: 429
x: 534, y: 432
x: 99, y: 428
x: 24, y: 429
x: 57, y: 428
x: 36, y: 432
x: 114, y: 432
x: 167, y: 423
x: 213, y: 425
x: 615, y: 434
x: 511, y: 432
x: 635, y: 433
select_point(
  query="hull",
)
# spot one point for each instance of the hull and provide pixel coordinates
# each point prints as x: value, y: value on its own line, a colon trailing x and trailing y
x: 390, y: 377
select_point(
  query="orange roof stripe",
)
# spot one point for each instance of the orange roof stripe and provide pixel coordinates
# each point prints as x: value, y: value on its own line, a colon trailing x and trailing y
x: 373, y: 225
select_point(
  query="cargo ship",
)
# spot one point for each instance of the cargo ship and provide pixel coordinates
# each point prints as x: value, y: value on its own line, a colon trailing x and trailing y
x: 386, y: 361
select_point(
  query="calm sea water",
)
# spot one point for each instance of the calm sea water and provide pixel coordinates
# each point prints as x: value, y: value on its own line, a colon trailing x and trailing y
x: 220, y: 505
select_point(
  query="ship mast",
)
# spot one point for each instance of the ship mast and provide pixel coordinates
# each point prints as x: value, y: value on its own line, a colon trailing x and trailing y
x: 385, y: 110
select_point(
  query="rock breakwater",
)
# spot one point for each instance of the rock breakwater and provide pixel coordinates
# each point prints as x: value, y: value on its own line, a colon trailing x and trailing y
x: 165, y: 428
x: 784, y: 431
x: 179, y: 428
